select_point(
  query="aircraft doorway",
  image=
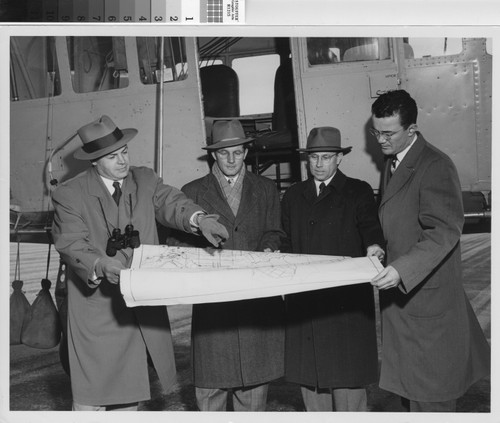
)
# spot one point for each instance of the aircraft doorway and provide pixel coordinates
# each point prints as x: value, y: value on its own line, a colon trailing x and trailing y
x: 251, y: 79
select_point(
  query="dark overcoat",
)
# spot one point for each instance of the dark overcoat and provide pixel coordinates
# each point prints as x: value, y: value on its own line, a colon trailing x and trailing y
x: 330, y: 334
x: 433, y: 348
x: 106, y: 340
x: 240, y: 343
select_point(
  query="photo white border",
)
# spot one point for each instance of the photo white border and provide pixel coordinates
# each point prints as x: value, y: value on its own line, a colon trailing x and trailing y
x: 285, y: 19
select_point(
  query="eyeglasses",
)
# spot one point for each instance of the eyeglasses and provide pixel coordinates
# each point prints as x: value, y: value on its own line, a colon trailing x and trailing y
x: 386, y: 135
x: 325, y: 158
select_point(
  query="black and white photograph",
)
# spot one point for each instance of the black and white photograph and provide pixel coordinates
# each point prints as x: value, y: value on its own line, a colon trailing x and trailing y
x: 234, y: 221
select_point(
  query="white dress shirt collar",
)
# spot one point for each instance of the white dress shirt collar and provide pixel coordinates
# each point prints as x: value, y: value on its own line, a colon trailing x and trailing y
x: 109, y: 184
x: 400, y: 156
x: 326, y: 182
x: 232, y: 179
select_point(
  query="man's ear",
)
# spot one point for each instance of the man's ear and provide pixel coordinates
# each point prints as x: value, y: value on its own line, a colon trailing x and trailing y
x: 340, y: 156
x: 413, y: 128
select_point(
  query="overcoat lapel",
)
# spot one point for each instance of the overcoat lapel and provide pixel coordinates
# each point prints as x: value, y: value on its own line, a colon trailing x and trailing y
x: 129, y: 195
x: 387, y: 175
x: 248, y: 200
x: 336, y: 184
x: 96, y: 186
x: 404, y: 172
x: 213, y: 195
x: 310, y: 191
x: 98, y: 190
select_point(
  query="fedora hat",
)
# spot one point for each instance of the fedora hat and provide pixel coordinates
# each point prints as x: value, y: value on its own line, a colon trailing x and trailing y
x: 227, y: 133
x: 102, y: 137
x: 324, y: 138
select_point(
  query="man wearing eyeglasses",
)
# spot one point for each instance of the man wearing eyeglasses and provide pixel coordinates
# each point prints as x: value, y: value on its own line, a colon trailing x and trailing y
x: 433, y: 348
x: 331, y: 345
x: 237, y: 347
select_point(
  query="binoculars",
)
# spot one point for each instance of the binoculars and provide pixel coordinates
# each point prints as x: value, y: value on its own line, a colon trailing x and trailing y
x: 117, y: 240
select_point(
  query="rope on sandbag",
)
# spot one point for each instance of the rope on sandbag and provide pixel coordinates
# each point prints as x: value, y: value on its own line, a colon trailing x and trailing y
x: 19, y: 305
x: 48, y: 260
x: 17, y: 271
x: 42, y: 328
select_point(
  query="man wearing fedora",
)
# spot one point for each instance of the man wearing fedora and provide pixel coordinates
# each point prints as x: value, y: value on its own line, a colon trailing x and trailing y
x: 108, y: 343
x: 331, y: 345
x: 237, y: 347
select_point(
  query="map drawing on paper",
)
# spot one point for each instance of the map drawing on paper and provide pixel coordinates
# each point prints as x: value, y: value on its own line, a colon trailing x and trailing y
x: 163, y: 275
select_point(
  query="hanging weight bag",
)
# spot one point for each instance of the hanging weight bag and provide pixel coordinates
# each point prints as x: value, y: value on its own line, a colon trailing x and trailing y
x: 42, y: 328
x: 19, y: 305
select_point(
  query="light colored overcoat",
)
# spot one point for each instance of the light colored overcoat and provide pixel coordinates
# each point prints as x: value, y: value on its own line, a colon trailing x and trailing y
x: 239, y: 343
x: 433, y: 348
x: 106, y: 340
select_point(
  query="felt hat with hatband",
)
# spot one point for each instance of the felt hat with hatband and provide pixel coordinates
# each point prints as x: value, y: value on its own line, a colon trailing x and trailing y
x: 227, y: 133
x: 102, y: 137
x: 324, y: 138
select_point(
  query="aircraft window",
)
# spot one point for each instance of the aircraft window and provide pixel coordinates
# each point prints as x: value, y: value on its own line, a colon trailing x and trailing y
x: 322, y: 51
x: 34, y: 71
x: 97, y: 63
x: 256, y: 82
x: 431, y: 47
x: 175, y: 66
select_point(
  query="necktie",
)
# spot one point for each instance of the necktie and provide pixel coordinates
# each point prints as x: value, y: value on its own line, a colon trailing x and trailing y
x: 394, y: 162
x: 118, y: 192
x: 321, y: 188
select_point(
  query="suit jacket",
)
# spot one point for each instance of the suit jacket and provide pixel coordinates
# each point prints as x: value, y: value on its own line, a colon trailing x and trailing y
x: 238, y: 343
x: 106, y: 340
x: 433, y: 348
x: 330, y: 334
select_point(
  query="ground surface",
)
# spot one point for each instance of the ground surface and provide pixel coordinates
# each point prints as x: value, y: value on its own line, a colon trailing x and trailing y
x: 38, y: 382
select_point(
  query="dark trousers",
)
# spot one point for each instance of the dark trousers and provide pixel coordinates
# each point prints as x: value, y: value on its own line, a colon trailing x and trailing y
x: 430, y: 407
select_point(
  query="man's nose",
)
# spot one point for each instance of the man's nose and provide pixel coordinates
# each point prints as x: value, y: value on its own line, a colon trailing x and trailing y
x: 230, y: 158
